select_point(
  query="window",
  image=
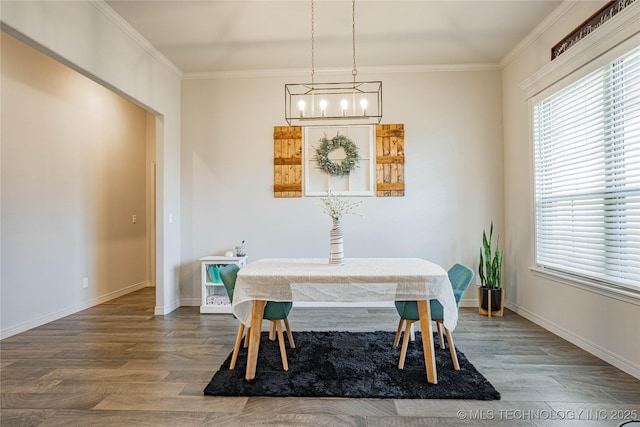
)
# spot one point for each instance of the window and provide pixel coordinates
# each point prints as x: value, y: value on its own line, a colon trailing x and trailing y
x: 587, y: 176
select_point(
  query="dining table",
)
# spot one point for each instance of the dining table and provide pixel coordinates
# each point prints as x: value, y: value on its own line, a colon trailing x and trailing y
x: 358, y: 280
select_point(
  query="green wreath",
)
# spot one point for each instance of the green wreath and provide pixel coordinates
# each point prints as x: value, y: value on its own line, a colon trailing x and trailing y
x: 337, y: 168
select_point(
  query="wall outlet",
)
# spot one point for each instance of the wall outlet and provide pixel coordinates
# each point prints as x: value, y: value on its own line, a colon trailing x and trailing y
x: 85, y: 282
x: 134, y: 219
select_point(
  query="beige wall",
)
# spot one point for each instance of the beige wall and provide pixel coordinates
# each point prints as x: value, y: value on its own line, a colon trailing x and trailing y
x: 604, y: 324
x: 453, y: 148
x: 73, y: 174
x: 92, y: 39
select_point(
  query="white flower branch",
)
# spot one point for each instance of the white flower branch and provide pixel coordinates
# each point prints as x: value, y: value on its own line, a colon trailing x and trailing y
x: 337, y: 207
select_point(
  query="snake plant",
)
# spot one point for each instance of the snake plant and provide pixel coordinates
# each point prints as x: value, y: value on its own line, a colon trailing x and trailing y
x: 489, y: 268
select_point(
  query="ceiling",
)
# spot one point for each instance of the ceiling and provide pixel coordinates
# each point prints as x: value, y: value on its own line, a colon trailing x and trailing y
x: 222, y: 36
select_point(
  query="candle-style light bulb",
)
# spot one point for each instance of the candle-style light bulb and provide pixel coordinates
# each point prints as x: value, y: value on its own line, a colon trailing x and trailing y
x: 301, y: 105
x: 363, y: 104
x: 344, y: 104
x: 323, y: 107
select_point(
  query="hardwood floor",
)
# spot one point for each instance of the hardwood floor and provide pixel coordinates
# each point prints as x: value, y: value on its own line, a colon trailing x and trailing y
x: 118, y: 364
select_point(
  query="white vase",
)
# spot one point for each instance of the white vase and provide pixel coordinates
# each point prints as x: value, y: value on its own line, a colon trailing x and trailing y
x: 336, y: 247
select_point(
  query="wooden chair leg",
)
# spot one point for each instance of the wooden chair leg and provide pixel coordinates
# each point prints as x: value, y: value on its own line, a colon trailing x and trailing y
x: 246, y: 338
x: 452, y: 350
x: 440, y: 337
x: 236, y: 347
x: 289, y: 334
x: 405, y: 344
x: 398, y: 332
x: 272, y: 330
x: 283, y: 349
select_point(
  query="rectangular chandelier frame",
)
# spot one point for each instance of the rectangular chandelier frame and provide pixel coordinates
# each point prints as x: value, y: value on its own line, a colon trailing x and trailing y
x: 335, y: 103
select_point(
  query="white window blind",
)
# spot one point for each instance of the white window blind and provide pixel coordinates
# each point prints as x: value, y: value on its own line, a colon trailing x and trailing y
x: 587, y: 175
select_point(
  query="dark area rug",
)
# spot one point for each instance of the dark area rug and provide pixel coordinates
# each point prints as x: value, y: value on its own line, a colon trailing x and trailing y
x: 350, y: 364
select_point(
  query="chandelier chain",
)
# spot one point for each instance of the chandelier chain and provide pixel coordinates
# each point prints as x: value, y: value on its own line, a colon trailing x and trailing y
x: 313, y: 50
x: 354, y: 72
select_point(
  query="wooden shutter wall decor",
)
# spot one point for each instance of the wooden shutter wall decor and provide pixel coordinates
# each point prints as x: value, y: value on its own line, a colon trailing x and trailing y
x: 287, y: 161
x: 390, y: 160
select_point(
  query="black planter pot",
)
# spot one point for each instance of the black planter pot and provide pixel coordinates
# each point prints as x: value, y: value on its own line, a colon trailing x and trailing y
x: 496, y: 299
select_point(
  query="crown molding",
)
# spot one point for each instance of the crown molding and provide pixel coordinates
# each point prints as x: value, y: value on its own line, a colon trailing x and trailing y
x: 538, y: 31
x: 120, y: 22
x: 383, y: 69
x: 432, y: 68
x: 240, y: 74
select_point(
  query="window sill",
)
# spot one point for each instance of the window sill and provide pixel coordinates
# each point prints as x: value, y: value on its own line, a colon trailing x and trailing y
x: 625, y: 294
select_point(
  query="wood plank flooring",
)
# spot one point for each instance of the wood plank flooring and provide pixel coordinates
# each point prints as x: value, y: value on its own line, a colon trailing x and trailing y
x: 118, y: 364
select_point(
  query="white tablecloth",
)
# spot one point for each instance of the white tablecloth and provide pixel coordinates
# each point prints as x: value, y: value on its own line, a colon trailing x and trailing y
x: 359, y: 280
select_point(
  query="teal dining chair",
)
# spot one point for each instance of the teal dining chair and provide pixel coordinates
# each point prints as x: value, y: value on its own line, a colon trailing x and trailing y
x: 275, y: 312
x: 460, y: 277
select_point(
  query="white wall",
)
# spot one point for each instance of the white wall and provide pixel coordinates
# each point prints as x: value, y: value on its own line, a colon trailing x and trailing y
x: 453, y: 173
x: 88, y: 37
x: 604, y: 325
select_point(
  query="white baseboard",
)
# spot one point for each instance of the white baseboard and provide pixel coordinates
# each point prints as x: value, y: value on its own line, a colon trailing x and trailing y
x: 161, y: 311
x: 190, y: 302
x: 13, y: 330
x: 469, y: 303
x: 598, y: 351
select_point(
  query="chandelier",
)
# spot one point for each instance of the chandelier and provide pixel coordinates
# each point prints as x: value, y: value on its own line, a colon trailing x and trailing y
x: 354, y: 102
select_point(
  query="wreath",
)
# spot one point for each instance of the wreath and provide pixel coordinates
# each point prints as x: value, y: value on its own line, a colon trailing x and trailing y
x: 337, y: 168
